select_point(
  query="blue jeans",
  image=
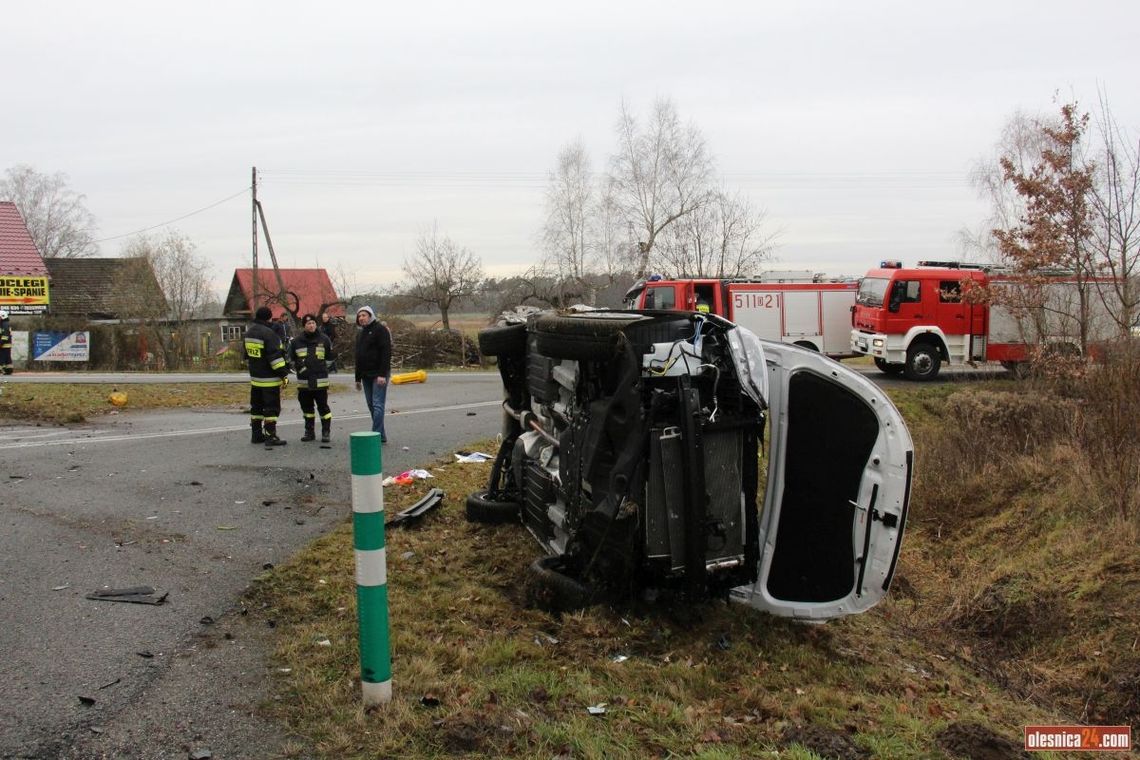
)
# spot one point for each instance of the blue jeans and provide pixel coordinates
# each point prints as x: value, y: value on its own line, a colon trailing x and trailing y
x: 374, y: 397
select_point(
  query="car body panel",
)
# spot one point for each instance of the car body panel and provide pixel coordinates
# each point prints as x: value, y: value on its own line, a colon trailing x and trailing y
x: 863, y: 517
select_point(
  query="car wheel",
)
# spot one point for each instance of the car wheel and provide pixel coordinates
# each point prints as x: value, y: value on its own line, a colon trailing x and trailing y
x: 922, y: 362
x: 552, y: 589
x: 481, y: 508
x: 502, y: 340
x: 583, y: 337
x: 887, y: 368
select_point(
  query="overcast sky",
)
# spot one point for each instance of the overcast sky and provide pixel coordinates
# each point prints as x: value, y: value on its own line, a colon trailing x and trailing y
x: 854, y: 125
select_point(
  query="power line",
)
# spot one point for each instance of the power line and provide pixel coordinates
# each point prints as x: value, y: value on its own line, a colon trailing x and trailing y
x: 243, y: 191
x: 771, y: 180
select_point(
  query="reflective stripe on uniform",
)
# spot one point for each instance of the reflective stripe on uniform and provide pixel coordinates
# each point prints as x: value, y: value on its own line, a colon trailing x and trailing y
x: 257, y: 382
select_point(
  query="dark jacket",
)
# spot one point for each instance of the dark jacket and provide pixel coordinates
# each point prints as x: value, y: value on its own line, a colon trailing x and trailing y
x: 263, y: 353
x: 5, y: 334
x: 308, y: 354
x: 373, y: 351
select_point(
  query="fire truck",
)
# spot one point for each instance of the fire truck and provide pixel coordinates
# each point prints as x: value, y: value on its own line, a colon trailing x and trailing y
x: 802, y: 308
x: 914, y: 320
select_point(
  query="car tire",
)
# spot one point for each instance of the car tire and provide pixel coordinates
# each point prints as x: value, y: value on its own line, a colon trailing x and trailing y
x: 502, y: 340
x: 922, y: 362
x: 888, y: 368
x: 481, y: 508
x: 552, y: 589
x: 583, y: 337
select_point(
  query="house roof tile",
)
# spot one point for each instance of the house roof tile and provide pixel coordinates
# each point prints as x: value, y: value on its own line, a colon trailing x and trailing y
x: 311, y: 287
x: 98, y: 288
x: 18, y: 253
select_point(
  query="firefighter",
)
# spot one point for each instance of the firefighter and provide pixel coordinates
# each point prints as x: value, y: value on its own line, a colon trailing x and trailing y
x: 5, y: 343
x: 308, y: 353
x: 268, y: 371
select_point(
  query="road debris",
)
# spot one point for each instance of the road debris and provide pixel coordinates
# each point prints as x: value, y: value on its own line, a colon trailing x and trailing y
x: 413, y: 513
x: 473, y: 457
x: 133, y: 595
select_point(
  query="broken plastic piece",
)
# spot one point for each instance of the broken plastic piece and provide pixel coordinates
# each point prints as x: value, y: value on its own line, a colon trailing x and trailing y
x: 473, y: 457
x: 133, y: 595
x: 598, y: 709
x: 432, y: 500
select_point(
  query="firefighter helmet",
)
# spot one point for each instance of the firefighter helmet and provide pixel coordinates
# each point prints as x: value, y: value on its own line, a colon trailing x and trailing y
x: 3, y: 313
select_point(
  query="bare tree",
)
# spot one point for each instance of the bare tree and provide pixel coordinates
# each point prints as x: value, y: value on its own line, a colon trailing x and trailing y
x: 1021, y: 144
x: 56, y: 216
x: 660, y: 173
x: 723, y: 238
x: 566, y: 231
x: 1116, y: 207
x: 183, y: 276
x: 181, y: 272
x: 441, y: 272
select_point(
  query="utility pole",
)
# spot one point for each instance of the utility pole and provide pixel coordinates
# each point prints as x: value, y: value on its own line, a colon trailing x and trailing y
x: 253, y: 297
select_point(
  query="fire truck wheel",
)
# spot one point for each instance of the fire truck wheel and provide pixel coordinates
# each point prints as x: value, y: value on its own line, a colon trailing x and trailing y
x: 887, y: 368
x: 922, y: 362
x: 481, y: 508
x: 552, y: 590
x: 584, y: 337
x: 502, y: 340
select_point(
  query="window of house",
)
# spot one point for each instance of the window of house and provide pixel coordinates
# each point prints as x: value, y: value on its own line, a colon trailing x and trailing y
x: 232, y: 332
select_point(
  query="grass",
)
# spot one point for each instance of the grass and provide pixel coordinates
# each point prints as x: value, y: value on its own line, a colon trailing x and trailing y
x: 479, y: 672
x: 63, y: 403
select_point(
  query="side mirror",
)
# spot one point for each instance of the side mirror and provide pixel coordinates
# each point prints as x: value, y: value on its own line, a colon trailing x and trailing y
x: 893, y: 306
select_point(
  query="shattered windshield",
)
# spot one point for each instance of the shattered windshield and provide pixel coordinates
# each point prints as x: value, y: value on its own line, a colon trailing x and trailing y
x: 872, y: 290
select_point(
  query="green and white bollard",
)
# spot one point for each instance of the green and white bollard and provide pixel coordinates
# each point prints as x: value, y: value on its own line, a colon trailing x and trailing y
x: 371, y: 568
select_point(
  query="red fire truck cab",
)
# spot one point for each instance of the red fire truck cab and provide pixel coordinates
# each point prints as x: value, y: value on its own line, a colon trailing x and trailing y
x: 802, y: 308
x: 913, y: 320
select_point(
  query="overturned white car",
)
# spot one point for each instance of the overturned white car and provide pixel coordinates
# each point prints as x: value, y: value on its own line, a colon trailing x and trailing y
x: 635, y: 452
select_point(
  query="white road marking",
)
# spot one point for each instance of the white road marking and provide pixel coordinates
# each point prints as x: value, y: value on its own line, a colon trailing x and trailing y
x: 212, y: 430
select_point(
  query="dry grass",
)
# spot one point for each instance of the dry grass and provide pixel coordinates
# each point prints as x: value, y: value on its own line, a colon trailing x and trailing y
x: 63, y: 403
x: 470, y: 324
x: 1022, y: 544
x: 76, y: 402
x: 510, y: 680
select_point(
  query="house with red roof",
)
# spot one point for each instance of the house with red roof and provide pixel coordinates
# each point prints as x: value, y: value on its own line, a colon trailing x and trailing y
x: 24, y: 279
x: 307, y: 291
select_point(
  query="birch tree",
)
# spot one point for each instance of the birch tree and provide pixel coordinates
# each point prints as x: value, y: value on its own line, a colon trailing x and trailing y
x: 726, y: 237
x: 56, y: 216
x: 661, y: 172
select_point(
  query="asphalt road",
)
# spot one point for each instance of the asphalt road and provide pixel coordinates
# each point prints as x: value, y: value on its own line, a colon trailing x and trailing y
x: 182, y: 502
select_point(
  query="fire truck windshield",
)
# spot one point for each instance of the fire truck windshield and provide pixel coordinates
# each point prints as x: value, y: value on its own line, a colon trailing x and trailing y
x: 872, y: 290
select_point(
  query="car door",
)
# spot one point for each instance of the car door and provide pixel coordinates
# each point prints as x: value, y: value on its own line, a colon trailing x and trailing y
x: 835, y: 504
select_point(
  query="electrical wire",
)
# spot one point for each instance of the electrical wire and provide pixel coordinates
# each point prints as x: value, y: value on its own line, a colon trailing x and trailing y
x: 243, y: 191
